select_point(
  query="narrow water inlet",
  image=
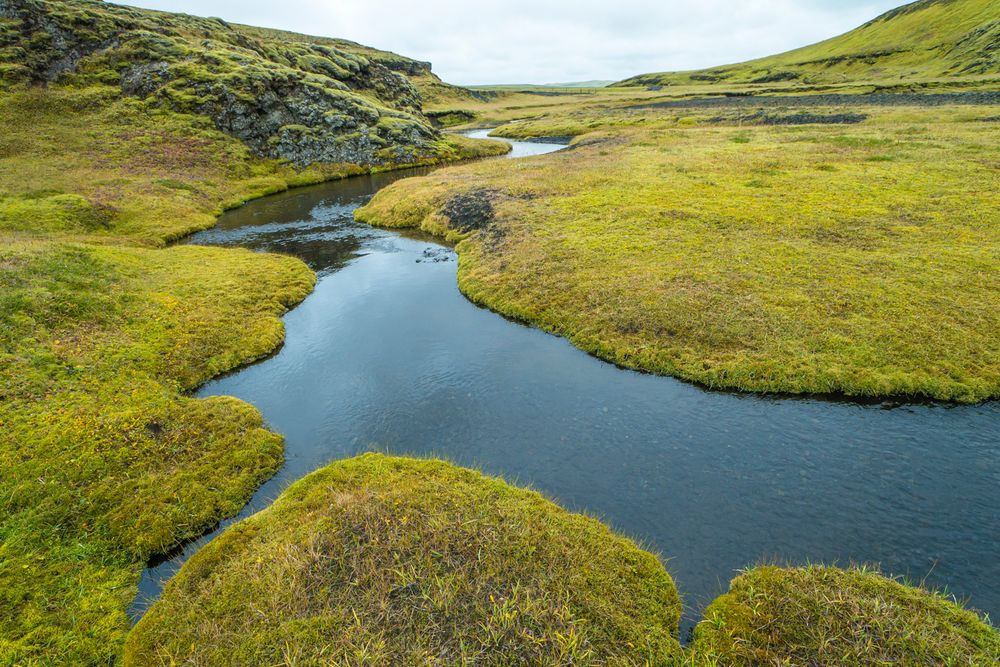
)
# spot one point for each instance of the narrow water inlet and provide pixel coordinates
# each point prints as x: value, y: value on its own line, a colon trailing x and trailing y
x: 387, y: 355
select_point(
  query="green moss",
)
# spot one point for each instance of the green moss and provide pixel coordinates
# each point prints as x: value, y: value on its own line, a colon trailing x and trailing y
x: 828, y: 616
x: 381, y: 560
x: 106, y: 462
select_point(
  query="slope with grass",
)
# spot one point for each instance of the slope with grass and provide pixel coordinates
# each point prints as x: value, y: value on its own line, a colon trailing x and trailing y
x: 923, y: 43
x: 852, y: 259
x: 106, y: 461
x: 381, y: 561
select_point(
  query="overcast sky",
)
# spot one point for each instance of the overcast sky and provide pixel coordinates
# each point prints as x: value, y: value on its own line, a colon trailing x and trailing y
x: 554, y: 41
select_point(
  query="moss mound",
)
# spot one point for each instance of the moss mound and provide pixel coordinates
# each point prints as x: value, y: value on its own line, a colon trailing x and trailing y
x: 381, y: 560
x: 829, y: 616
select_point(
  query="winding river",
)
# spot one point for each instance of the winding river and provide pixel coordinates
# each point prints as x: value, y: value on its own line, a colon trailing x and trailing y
x: 386, y: 355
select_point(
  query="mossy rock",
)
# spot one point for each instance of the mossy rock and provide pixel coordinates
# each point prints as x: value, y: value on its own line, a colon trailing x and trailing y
x: 381, y: 560
x: 830, y: 616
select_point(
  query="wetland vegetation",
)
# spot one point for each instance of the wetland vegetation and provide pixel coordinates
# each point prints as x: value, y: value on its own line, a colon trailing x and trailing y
x: 106, y: 462
x: 808, y: 247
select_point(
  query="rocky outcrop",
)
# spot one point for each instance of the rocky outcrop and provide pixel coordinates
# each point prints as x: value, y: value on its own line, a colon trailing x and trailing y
x: 286, y: 96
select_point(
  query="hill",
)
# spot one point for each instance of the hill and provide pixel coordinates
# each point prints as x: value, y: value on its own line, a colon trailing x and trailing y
x: 596, y: 83
x: 917, y: 44
x: 304, y: 99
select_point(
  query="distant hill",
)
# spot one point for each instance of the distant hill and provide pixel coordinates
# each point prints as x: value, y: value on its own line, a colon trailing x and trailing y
x: 581, y: 84
x: 921, y: 41
x: 575, y: 85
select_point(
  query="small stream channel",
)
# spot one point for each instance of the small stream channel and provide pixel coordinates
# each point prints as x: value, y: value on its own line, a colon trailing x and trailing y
x: 386, y: 355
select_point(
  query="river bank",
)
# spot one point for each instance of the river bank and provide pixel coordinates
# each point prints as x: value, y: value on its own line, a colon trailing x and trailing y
x: 711, y: 480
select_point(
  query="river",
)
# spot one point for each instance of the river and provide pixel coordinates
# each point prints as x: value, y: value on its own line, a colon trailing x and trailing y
x: 386, y: 355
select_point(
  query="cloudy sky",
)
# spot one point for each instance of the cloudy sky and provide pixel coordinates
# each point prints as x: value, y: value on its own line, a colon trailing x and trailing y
x: 554, y: 41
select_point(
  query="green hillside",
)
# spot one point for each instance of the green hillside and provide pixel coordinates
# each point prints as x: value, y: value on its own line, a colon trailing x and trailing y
x: 916, y: 44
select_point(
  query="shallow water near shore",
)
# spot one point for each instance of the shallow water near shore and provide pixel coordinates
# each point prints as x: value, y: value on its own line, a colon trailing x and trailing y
x: 386, y: 355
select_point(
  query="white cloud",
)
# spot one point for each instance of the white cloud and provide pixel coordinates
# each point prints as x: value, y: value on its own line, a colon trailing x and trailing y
x: 544, y: 41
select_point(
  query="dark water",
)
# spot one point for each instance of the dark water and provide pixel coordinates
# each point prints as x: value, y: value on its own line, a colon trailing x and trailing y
x: 386, y: 355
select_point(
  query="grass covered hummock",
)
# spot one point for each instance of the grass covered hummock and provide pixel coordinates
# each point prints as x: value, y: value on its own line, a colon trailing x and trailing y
x: 381, y: 560
x: 829, y: 616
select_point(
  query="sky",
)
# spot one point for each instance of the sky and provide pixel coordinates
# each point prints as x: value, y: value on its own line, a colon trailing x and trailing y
x: 554, y: 41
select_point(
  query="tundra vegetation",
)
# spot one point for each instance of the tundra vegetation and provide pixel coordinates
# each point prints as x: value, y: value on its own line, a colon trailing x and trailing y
x: 836, y: 248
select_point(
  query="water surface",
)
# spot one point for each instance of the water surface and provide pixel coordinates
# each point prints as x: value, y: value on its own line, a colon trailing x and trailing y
x: 386, y: 355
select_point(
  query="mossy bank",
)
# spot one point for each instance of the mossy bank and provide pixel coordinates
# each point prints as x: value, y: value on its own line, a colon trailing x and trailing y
x: 115, y: 141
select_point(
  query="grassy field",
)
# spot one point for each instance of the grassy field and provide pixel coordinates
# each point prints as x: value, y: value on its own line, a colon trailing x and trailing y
x: 850, y: 259
x: 388, y: 561
x: 921, y: 45
x: 102, y: 333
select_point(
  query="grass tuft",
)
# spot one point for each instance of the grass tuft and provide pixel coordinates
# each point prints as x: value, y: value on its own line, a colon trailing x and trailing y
x: 381, y: 560
x: 827, y: 616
